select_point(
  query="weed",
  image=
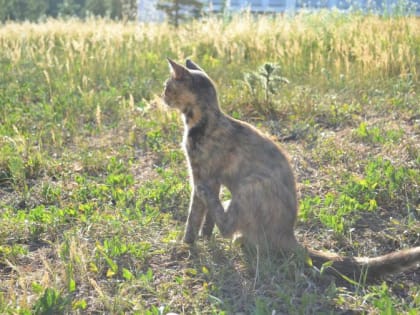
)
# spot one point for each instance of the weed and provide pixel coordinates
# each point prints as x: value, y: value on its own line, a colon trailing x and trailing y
x: 376, y: 135
x: 51, y: 302
x: 266, y: 80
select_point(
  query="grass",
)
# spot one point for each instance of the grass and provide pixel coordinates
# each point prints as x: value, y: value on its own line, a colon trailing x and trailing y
x: 93, y: 183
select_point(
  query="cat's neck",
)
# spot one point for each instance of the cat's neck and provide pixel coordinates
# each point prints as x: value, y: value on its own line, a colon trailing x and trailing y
x: 193, y: 116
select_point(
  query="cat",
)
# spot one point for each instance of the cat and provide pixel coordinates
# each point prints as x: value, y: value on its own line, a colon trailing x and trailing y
x: 221, y: 150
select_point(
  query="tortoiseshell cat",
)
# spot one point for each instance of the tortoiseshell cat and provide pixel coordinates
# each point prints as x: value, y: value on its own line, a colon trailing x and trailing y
x: 224, y: 151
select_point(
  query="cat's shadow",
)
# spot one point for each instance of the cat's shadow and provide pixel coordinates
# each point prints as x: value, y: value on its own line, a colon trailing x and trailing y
x: 241, y: 283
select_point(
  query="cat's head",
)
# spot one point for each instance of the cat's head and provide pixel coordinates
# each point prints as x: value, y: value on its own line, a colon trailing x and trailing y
x: 189, y: 88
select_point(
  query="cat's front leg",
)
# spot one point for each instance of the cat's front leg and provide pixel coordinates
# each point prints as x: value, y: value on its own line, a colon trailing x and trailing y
x: 209, y: 222
x: 195, y: 218
x: 198, y: 213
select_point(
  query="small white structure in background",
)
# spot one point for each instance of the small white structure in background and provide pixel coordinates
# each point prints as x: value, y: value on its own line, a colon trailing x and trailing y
x: 147, y: 12
x: 279, y: 6
x: 147, y: 8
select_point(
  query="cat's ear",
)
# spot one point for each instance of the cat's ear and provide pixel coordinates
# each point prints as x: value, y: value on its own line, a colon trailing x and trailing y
x: 179, y: 72
x: 193, y: 66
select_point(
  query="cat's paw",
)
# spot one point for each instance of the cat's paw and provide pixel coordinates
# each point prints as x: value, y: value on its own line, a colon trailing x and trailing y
x: 189, y: 238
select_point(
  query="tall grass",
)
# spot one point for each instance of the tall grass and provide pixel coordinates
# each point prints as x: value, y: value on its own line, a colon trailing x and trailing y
x: 74, y: 74
x: 98, y: 57
x: 359, y: 47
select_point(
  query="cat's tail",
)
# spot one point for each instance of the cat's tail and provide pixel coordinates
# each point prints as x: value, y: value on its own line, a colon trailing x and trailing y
x: 366, y: 268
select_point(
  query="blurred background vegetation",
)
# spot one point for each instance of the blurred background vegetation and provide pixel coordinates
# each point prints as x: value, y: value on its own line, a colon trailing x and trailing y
x: 33, y: 10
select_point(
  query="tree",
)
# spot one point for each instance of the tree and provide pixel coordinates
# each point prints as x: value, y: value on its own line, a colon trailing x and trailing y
x: 180, y: 10
x: 115, y: 8
x: 122, y: 9
x: 66, y: 8
x: 96, y: 7
x: 53, y: 7
x: 22, y: 9
x: 69, y: 7
x: 34, y: 9
x: 6, y: 10
x: 129, y: 9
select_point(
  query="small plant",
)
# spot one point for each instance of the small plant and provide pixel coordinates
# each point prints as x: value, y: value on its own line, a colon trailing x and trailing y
x: 266, y: 80
x: 376, y: 135
x: 382, y: 299
x: 51, y: 302
x: 11, y: 252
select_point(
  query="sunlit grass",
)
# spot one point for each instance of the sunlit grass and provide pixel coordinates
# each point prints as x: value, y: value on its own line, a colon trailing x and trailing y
x: 94, y: 188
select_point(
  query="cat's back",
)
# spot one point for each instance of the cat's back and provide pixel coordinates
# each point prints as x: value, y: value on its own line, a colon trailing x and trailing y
x: 249, y: 153
x: 251, y: 142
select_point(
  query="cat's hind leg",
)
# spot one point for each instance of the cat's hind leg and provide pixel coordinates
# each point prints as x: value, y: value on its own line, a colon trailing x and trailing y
x: 227, y: 220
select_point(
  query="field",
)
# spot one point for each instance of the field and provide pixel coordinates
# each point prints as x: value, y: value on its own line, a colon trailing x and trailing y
x: 94, y: 188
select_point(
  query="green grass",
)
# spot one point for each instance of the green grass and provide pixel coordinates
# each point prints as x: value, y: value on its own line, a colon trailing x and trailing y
x: 93, y: 184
